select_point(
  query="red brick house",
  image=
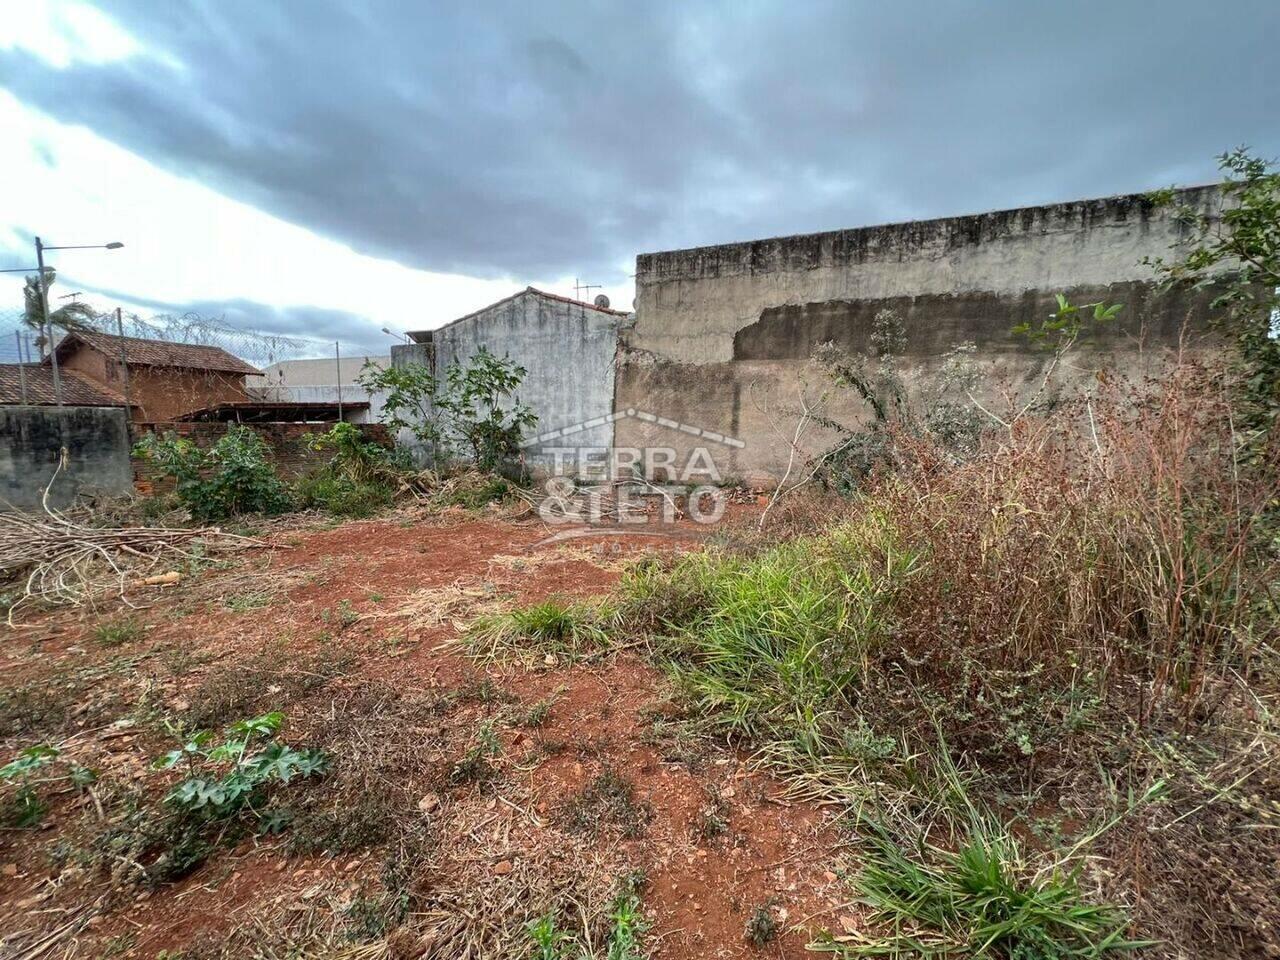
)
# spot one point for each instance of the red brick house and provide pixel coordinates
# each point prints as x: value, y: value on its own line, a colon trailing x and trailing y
x: 164, y: 380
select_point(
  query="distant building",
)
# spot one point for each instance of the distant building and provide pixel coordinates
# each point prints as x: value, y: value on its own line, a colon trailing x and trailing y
x: 322, y: 372
x: 161, y: 380
x: 317, y: 382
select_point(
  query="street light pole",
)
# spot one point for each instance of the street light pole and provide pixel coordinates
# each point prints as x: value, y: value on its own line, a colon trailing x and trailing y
x: 48, y: 322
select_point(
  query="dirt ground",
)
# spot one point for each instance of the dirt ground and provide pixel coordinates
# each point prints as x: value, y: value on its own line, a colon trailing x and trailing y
x: 348, y: 630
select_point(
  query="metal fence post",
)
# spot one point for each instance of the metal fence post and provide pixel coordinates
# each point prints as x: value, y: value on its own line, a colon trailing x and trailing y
x: 337, y: 363
x: 124, y: 364
x: 22, y: 367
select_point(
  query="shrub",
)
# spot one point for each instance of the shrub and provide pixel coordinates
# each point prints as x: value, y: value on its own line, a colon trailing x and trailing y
x: 232, y: 778
x: 341, y: 496
x: 30, y: 769
x: 232, y: 477
x: 473, y: 411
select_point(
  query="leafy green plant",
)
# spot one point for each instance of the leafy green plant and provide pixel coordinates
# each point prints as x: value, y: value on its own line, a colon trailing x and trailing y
x: 473, y: 410
x: 360, y: 478
x: 762, y: 925
x: 113, y: 633
x: 31, y: 768
x: 551, y: 942
x: 231, y: 778
x: 1237, y: 251
x: 627, y: 926
x: 232, y: 477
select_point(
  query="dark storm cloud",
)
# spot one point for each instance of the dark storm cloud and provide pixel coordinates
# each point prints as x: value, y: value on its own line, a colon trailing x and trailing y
x: 555, y: 139
x: 314, y: 328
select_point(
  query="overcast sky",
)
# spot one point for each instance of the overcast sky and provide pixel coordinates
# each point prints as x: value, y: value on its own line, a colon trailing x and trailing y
x: 328, y: 167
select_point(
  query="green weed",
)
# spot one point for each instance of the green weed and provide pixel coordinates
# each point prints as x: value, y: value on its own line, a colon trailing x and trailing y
x: 981, y: 899
x: 762, y: 925
x: 558, y: 628
x: 113, y: 633
x: 609, y: 801
x: 247, y: 602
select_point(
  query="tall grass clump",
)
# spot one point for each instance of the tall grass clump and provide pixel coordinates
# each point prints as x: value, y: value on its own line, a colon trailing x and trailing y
x: 1084, y: 609
x: 555, y: 628
x: 767, y: 643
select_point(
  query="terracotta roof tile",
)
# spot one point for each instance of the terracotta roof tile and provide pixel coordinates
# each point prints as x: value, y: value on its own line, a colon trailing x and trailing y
x: 157, y: 353
x: 415, y: 335
x: 77, y: 389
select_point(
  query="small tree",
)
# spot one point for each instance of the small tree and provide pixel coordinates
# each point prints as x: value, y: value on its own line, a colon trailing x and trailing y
x: 480, y: 411
x: 1239, y: 252
x: 71, y: 317
x: 409, y: 404
x: 233, y: 477
x: 473, y: 411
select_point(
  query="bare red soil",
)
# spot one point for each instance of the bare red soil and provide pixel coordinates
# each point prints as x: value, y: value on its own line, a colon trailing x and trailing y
x: 355, y: 592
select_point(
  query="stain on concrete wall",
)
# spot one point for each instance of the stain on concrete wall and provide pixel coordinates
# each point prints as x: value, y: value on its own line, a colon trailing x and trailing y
x: 31, y: 440
x: 723, y: 334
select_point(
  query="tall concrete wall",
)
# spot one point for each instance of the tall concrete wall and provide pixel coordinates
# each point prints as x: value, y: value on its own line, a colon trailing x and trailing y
x: 723, y: 335
x: 567, y: 348
x: 31, y: 440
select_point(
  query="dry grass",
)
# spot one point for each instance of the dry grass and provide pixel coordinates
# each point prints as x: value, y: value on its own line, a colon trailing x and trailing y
x: 433, y: 606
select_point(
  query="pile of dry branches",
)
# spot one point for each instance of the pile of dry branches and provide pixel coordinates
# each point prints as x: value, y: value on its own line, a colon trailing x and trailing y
x: 54, y: 558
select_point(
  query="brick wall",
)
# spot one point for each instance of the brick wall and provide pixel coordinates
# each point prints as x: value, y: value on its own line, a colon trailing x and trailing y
x: 290, y: 453
x: 160, y: 393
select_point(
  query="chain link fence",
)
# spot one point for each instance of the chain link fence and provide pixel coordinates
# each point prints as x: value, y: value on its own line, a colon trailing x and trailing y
x: 256, y: 347
x: 24, y: 346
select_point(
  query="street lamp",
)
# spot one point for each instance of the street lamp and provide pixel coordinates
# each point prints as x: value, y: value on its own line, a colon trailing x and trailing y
x: 44, y: 298
x: 392, y: 333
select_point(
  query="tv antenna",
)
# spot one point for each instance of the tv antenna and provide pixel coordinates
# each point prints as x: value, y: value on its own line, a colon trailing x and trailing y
x: 579, y: 288
x: 72, y: 296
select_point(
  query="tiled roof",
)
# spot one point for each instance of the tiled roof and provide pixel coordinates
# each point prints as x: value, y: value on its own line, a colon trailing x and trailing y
x: 157, y: 353
x: 77, y: 390
x: 417, y: 335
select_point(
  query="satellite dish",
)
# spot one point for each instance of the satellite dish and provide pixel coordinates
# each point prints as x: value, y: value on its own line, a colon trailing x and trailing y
x: 602, y: 301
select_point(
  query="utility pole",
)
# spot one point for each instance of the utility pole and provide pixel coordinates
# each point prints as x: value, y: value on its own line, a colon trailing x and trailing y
x: 48, y: 323
x: 124, y: 365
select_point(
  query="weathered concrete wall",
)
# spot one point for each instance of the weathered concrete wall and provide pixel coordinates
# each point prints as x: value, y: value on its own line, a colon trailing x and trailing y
x: 723, y: 334
x: 567, y: 348
x: 31, y: 440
